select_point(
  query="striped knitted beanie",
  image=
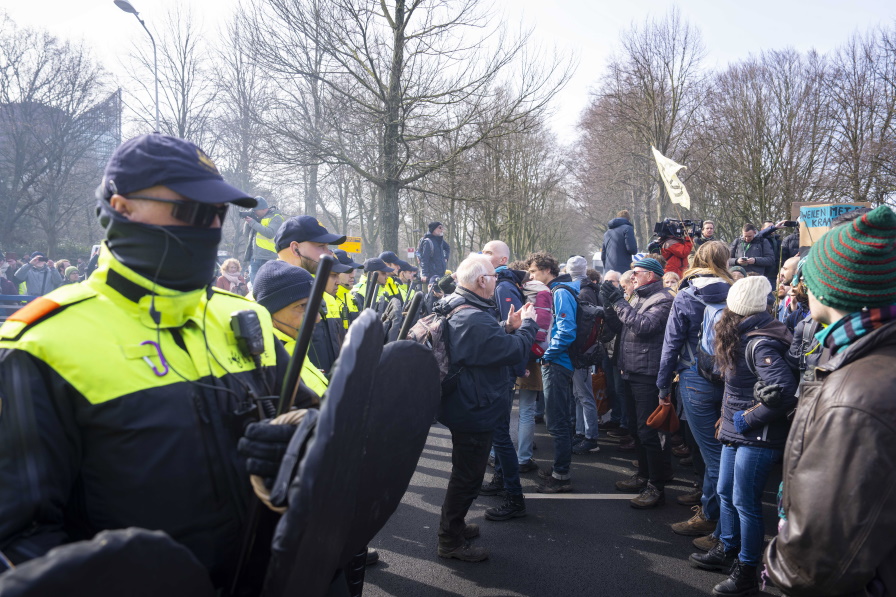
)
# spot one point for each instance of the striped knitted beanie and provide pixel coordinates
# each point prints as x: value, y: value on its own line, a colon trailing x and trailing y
x: 854, y: 265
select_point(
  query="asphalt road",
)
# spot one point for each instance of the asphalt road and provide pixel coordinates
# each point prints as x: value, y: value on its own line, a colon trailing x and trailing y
x: 589, y: 542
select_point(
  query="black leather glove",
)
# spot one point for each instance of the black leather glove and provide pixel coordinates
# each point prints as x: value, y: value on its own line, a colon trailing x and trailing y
x: 769, y: 395
x: 610, y: 293
x: 263, y: 446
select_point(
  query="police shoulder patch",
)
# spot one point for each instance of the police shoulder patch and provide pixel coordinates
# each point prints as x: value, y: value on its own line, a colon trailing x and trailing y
x: 35, y: 310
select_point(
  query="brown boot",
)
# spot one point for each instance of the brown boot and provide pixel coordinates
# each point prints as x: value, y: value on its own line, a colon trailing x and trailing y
x: 696, y: 525
x: 693, y: 498
x: 464, y: 552
x: 705, y: 543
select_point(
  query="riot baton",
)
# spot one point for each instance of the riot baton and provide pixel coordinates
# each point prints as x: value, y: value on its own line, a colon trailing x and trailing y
x: 409, y: 316
x: 371, y: 289
x: 303, y: 341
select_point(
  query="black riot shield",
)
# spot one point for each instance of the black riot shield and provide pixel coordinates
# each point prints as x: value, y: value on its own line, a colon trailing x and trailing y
x: 310, y: 539
x: 134, y: 562
x: 400, y: 415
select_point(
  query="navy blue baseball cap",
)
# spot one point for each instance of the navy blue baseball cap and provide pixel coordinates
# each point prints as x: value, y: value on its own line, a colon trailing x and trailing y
x: 404, y: 266
x: 304, y: 229
x: 344, y: 259
x: 159, y: 160
x: 377, y: 265
x: 390, y: 257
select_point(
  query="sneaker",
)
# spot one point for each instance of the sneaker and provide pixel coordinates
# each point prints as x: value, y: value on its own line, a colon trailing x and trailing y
x: 705, y: 543
x: 514, y: 506
x: 464, y: 552
x: 373, y: 557
x: 471, y: 531
x: 493, y: 487
x: 539, y: 420
x: 651, y: 497
x: 636, y: 464
x: 676, y: 439
x: 555, y: 485
x: 578, y: 437
x: 633, y: 484
x: 741, y: 583
x: 681, y: 451
x: 687, y: 461
x: 545, y: 474
x: 586, y: 446
x: 694, y: 498
x: 716, y: 559
x: 696, y: 526
x: 528, y: 466
x: 618, y: 433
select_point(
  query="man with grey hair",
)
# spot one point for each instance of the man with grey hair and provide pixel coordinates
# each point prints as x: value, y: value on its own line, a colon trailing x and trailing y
x: 475, y: 393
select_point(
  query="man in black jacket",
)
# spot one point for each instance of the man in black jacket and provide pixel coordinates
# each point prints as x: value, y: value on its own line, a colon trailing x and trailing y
x: 482, y: 352
x: 750, y: 252
x: 643, y: 326
x: 620, y: 243
x: 433, y: 253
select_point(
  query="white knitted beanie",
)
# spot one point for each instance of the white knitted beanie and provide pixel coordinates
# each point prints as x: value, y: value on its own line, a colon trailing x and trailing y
x: 749, y: 295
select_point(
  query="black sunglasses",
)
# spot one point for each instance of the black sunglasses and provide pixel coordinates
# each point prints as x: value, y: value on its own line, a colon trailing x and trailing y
x: 193, y: 213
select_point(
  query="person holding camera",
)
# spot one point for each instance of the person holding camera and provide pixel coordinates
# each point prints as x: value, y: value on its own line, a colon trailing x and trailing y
x: 750, y: 252
x: 39, y: 275
x: 263, y: 226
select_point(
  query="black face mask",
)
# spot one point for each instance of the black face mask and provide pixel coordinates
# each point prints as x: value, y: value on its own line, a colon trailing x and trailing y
x: 176, y: 257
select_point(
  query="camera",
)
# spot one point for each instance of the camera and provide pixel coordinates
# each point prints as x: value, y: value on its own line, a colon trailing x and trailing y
x: 249, y: 214
x: 670, y: 228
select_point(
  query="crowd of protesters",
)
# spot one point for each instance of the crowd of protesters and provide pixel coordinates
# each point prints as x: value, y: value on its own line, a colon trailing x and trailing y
x: 712, y: 353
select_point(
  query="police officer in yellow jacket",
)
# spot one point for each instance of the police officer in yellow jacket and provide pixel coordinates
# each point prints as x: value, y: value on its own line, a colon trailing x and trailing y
x: 263, y: 230
x: 302, y: 241
x: 347, y: 305
x: 123, y: 397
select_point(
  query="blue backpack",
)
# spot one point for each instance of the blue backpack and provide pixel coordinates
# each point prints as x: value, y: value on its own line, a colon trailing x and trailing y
x: 706, y: 337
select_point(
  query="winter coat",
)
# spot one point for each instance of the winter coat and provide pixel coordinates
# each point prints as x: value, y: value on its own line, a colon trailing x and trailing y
x: 275, y: 220
x: 239, y: 288
x: 432, y: 255
x: 790, y: 246
x: 676, y: 253
x: 38, y: 282
x: 643, y: 326
x: 619, y: 245
x: 563, y: 324
x: 699, y: 241
x: 507, y: 291
x: 485, y: 354
x: 839, y: 496
x: 589, y: 292
x: 759, y: 249
x: 768, y: 426
x: 805, y: 352
x: 774, y: 241
x: 684, y: 324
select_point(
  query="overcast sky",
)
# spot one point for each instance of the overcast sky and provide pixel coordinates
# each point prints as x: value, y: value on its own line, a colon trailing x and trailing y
x: 590, y: 28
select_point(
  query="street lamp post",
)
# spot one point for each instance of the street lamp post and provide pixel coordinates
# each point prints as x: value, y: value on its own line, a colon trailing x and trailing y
x: 126, y: 6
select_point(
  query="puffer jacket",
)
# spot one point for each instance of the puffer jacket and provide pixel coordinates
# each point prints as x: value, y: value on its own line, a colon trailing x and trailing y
x: 619, y: 245
x: 839, y: 490
x: 768, y: 426
x: 685, y: 321
x: 485, y: 354
x: 643, y: 325
x: 675, y: 252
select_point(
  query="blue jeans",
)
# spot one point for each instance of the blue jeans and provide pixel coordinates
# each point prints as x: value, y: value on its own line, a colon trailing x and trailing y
x: 558, y: 398
x: 586, y: 408
x: 505, y: 454
x: 526, y: 434
x: 702, y: 404
x: 616, y: 392
x: 539, y: 404
x: 742, y: 475
x: 254, y: 266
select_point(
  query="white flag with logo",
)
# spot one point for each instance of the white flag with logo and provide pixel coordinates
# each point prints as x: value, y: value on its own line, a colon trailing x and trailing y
x: 669, y: 173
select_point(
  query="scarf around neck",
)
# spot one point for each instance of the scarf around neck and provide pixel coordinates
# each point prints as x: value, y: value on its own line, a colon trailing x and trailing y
x: 850, y: 328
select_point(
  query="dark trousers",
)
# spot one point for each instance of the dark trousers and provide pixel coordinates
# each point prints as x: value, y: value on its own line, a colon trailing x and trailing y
x: 506, y: 463
x: 654, y: 456
x: 469, y: 457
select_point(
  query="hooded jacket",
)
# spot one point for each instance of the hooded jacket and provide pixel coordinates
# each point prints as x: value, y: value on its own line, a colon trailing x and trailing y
x: 484, y: 354
x: 768, y: 427
x: 839, y: 490
x: 38, y: 281
x: 619, y: 245
x: 563, y: 324
x: 684, y: 324
x: 432, y: 255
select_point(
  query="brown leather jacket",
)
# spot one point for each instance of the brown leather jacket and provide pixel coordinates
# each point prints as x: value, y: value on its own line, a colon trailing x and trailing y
x: 840, y: 478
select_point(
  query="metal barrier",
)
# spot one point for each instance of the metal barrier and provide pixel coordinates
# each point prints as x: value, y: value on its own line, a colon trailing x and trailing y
x: 10, y: 303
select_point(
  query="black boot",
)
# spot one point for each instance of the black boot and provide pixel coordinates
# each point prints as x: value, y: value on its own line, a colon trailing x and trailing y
x: 741, y: 583
x: 513, y: 507
x: 493, y: 487
x: 715, y: 559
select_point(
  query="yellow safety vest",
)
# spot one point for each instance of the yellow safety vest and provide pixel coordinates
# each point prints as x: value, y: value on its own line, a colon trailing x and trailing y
x: 262, y: 241
x: 311, y: 376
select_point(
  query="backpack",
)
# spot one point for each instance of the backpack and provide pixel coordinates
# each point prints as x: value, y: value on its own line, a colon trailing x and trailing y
x: 706, y: 337
x: 586, y: 350
x: 543, y: 301
x: 431, y: 331
x: 419, y: 250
